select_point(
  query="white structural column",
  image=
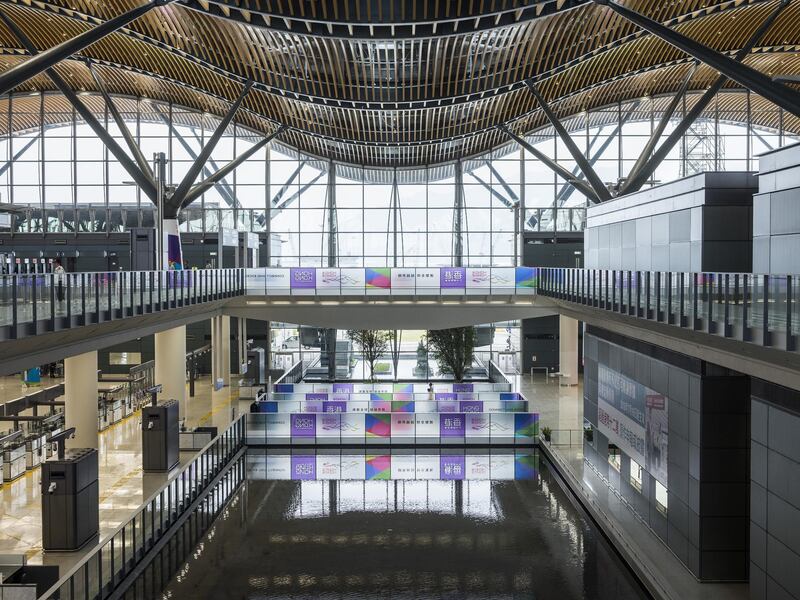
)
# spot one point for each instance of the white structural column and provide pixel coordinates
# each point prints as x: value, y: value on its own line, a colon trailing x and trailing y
x: 80, y: 399
x: 241, y: 345
x: 170, y: 350
x: 568, y: 350
x: 221, y: 349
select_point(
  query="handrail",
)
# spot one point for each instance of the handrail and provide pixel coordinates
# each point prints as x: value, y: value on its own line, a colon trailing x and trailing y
x: 233, y: 439
x: 755, y: 308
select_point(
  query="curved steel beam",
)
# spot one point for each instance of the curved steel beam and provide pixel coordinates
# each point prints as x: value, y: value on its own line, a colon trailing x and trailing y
x: 300, y: 96
x: 52, y: 56
x: 750, y: 78
x: 374, y: 30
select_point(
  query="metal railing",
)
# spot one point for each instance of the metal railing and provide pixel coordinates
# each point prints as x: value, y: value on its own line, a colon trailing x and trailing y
x: 98, y: 574
x: 564, y: 437
x: 40, y: 303
x: 756, y: 308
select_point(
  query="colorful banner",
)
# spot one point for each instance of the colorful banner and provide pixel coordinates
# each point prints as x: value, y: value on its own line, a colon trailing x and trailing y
x: 378, y: 278
x: 527, y: 277
x: 403, y: 388
x: 303, y: 278
x: 303, y: 425
x: 378, y: 467
x: 382, y: 406
x: 452, y: 277
x: 317, y: 396
x: 172, y: 253
x: 526, y: 426
x: 342, y: 388
x: 403, y: 406
x: 452, y: 425
x: 526, y: 466
x: 386, y: 396
x: 378, y: 425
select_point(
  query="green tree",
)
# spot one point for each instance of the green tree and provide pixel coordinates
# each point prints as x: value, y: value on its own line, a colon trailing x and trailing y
x: 372, y: 344
x: 453, y: 348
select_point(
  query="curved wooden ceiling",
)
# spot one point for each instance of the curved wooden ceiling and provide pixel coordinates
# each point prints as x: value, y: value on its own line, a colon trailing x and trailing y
x: 394, y: 82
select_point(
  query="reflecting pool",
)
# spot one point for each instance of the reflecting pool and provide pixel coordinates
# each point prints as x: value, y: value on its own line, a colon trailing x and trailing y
x: 402, y: 524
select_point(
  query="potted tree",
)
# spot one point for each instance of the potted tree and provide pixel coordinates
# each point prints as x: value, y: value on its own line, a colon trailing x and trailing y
x: 453, y: 348
x: 372, y: 343
x: 547, y: 433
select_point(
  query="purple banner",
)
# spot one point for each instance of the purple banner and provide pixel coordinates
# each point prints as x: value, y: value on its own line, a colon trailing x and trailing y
x: 452, y: 467
x: 445, y: 396
x: 303, y: 278
x: 304, y: 467
x: 463, y: 387
x: 312, y: 406
x: 471, y: 406
x: 316, y: 396
x: 334, y: 407
x: 452, y: 425
x: 342, y: 388
x: 447, y: 406
x: 452, y: 277
x: 304, y: 425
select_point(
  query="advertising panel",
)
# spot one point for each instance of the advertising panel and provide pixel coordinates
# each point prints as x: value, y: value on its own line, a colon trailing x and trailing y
x: 277, y: 425
x: 427, y: 426
x: 526, y: 278
x: 503, y: 280
x: 382, y: 406
x: 334, y: 406
x: 452, y: 425
x: 478, y: 425
x: 502, y: 466
x: 353, y: 466
x: 329, y: 280
x: 311, y: 406
x: 352, y: 281
x: 635, y: 419
x: 328, y: 427
x: 479, y: 279
x: 470, y: 406
x: 447, y: 406
x: 526, y: 466
x: 378, y: 425
x: 403, y: 279
x: 452, y: 467
x: 303, y: 425
x: 402, y: 407
x: 478, y: 467
x: 380, y: 278
x: 304, y: 467
x: 279, y: 466
x: 352, y: 426
x: 378, y: 467
x: 255, y: 282
x: 452, y: 277
x: 403, y: 388
x: 463, y: 388
x: 427, y: 466
x: 445, y: 396
x: 385, y: 396
x: 342, y: 388
x: 502, y: 427
x: 329, y: 466
x: 403, y: 425
x: 303, y: 278
x: 526, y: 427
x: 284, y: 388
x: 404, y: 466
x: 277, y: 279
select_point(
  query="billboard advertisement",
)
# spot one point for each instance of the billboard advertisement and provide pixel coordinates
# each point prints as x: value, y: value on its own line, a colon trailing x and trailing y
x: 427, y: 279
x: 635, y: 419
x: 352, y: 426
x: 328, y: 426
x: 378, y: 425
x: 452, y: 425
x: 403, y: 425
x: 378, y: 278
x: 452, y: 467
x: 277, y: 425
x: 303, y: 425
x: 352, y: 280
x: 479, y: 279
x: 329, y: 279
x: 452, y: 277
x: 277, y: 279
x: 304, y: 467
x: 403, y: 279
x: 303, y: 278
x: 526, y: 277
x: 378, y: 467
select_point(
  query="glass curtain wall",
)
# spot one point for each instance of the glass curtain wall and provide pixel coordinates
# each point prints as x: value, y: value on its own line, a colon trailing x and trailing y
x: 63, y: 179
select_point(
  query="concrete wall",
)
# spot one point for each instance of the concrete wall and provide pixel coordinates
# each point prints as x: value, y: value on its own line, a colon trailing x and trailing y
x: 706, y: 522
x: 700, y: 223
x: 775, y: 493
x: 776, y: 218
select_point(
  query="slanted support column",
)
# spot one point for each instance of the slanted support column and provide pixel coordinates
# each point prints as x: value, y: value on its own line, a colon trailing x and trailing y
x: 568, y: 350
x: 221, y: 350
x: 170, y: 351
x: 80, y: 403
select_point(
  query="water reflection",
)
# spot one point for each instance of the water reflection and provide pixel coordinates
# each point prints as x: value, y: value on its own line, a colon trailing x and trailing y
x: 391, y: 529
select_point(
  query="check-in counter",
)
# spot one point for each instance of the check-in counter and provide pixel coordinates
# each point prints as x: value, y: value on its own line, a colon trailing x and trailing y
x: 112, y: 400
x: 35, y: 450
x: 196, y: 439
x: 14, y: 460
